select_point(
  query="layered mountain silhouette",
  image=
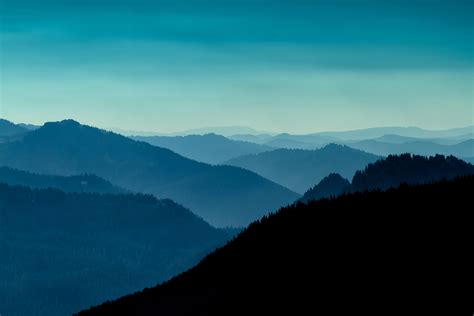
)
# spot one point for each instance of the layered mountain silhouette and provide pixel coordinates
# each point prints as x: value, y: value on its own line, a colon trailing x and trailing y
x: 400, y: 250
x: 301, y: 169
x: 414, y: 132
x: 10, y: 131
x: 397, y: 139
x: 61, y: 252
x: 222, y: 195
x: 407, y: 168
x: 397, y: 135
x: 80, y: 183
x: 208, y: 148
x: 331, y: 186
x: 7, y: 128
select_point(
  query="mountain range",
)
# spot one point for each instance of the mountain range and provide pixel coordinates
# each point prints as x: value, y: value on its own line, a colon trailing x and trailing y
x: 404, y: 249
x: 208, y: 148
x: 222, y: 195
x: 419, y: 147
x: 10, y: 131
x: 61, y: 252
x: 301, y: 169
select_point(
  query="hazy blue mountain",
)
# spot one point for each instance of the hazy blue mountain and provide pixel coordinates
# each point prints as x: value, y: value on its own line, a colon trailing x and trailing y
x: 332, y: 185
x: 209, y: 148
x: 80, y: 183
x: 10, y: 132
x: 291, y: 144
x: 407, y: 168
x: 301, y: 169
x: 397, y: 139
x: 29, y: 126
x: 7, y: 128
x: 220, y: 130
x: 285, y: 140
x: 62, y: 252
x: 415, y: 132
x: 257, y: 139
x: 353, y: 254
x: 426, y: 148
x: 222, y: 195
x: 396, y: 135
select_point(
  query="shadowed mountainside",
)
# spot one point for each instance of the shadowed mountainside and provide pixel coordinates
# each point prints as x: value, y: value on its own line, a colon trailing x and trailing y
x: 391, y: 172
x: 208, y: 148
x: 222, y: 195
x: 80, y: 183
x: 7, y: 128
x: 332, y: 185
x: 353, y: 254
x: 407, y: 168
x: 10, y: 131
x: 61, y: 252
x: 301, y: 169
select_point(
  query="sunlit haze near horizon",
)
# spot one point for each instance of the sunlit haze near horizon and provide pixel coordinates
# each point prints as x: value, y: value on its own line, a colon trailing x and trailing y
x: 278, y: 66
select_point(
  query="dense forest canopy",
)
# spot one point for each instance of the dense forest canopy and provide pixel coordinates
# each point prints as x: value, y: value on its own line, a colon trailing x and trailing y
x: 61, y: 252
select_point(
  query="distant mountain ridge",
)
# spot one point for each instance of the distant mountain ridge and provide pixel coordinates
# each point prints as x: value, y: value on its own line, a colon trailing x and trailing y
x: 416, y: 132
x: 222, y: 195
x: 419, y: 147
x: 208, y: 148
x: 301, y: 169
x: 10, y: 132
x: 7, y: 128
x: 79, y: 183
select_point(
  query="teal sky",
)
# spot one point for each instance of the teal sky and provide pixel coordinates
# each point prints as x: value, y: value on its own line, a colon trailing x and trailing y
x: 294, y: 66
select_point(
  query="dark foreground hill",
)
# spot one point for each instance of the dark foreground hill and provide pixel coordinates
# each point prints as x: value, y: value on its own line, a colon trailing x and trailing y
x: 222, y: 195
x: 209, y: 148
x: 332, y: 185
x: 61, y: 252
x: 413, y: 169
x: 402, y: 251
x: 391, y: 172
x: 301, y: 169
x: 80, y: 183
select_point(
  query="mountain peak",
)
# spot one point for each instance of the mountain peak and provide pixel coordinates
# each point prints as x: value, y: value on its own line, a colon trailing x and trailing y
x: 64, y: 123
x: 332, y: 185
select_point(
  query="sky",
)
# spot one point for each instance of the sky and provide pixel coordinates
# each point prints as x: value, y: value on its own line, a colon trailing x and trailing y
x: 283, y: 66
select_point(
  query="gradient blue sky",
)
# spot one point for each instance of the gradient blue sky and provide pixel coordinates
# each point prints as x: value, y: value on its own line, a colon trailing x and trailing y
x: 294, y: 66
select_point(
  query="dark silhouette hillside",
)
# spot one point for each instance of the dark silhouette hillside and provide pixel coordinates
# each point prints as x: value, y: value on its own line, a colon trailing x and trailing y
x: 332, y: 185
x: 301, y: 169
x: 393, y: 170
x: 80, y: 183
x: 209, y: 148
x: 222, y: 195
x: 402, y: 251
x: 61, y: 252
